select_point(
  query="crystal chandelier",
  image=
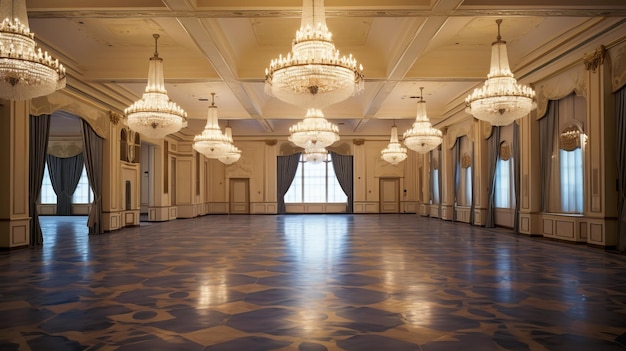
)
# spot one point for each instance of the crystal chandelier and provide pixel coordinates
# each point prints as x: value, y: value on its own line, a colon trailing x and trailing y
x: 232, y: 153
x: 422, y: 137
x: 26, y: 71
x: 500, y: 100
x: 155, y: 115
x: 314, y: 131
x: 394, y: 153
x: 211, y: 142
x: 315, y: 154
x: 313, y: 75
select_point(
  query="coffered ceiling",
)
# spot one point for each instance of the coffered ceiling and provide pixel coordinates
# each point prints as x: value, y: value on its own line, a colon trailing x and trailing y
x: 224, y: 46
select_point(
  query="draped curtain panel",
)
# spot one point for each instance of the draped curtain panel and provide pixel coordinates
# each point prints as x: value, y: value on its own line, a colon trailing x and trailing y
x: 440, y: 180
x: 546, y: 144
x: 344, y: 168
x: 286, y: 167
x: 457, y: 174
x: 64, y: 175
x: 516, y: 176
x: 494, y: 154
x: 92, y: 146
x: 39, y: 129
x: 620, y: 155
x: 473, y: 204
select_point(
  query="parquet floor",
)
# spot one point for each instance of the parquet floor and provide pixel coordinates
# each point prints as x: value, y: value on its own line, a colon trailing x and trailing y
x: 308, y: 283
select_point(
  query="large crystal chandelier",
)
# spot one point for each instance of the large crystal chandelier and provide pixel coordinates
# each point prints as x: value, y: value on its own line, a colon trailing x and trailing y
x: 26, y: 71
x: 394, y: 153
x: 155, y: 115
x: 501, y: 100
x: 232, y: 153
x: 422, y: 137
x: 212, y: 143
x: 313, y: 75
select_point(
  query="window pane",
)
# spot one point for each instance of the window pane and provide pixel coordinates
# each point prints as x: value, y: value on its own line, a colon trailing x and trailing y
x: 315, y: 182
x: 502, y: 195
x: 83, y: 193
x: 468, y: 186
x: 47, y: 192
x: 571, y: 164
x: 435, y: 180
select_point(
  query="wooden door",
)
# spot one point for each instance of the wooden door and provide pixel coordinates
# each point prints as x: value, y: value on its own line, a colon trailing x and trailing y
x: 239, y: 196
x: 389, y: 195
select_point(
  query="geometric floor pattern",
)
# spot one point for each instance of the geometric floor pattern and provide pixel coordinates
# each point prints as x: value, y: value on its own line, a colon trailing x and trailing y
x: 308, y: 283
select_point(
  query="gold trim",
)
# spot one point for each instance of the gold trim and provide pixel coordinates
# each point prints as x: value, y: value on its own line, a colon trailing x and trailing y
x: 358, y: 142
x: 505, y: 151
x: 593, y: 61
x: 114, y: 117
x: 271, y: 142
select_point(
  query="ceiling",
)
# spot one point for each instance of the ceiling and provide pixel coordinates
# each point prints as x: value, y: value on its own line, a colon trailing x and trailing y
x: 224, y: 46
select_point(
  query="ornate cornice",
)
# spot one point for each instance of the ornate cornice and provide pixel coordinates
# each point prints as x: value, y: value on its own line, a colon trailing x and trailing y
x: 271, y: 142
x: 358, y: 142
x: 593, y: 61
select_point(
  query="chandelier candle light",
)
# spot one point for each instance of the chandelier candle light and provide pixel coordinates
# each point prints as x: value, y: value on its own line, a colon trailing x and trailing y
x: 422, y: 137
x: 155, y: 115
x: 394, y: 153
x: 212, y: 143
x: 313, y: 75
x: 501, y: 100
x: 26, y: 71
x: 315, y: 154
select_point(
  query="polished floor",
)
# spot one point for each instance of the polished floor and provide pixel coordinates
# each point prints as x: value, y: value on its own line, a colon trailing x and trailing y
x: 308, y: 283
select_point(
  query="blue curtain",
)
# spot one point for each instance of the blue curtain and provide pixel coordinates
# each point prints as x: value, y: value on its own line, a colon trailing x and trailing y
x: 343, y: 165
x: 286, y: 167
x: 64, y: 175
x: 516, y: 176
x: 546, y: 142
x: 92, y: 149
x: 39, y: 128
x: 494, y: 154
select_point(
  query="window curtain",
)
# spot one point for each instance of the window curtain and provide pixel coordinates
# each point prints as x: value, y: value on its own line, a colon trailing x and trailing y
x: 92, y: 149
x: 64, y: 176
x: 546, y: 143
x: 494, y: 153
x: 431, y: 183
x: 286, y: 167
x: 343, y: 165
x: 516, y: 176
x: 39, y: 128
x: 457, y: 174
x: 620, y: 155
x: 472, y: 203
x: 440, y: 181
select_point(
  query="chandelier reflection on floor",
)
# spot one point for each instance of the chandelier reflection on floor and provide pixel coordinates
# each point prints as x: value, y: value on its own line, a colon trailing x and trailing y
x: 422, y: 137
x: 26, y: 71
x: 501, y: 100
x: 212, y: 143
x: 313, y: 75
x: 394, y: 153
x: 155, y: 115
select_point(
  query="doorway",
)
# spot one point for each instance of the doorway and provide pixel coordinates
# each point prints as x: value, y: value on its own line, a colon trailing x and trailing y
x: 239, y: 196
x: 389, y: 195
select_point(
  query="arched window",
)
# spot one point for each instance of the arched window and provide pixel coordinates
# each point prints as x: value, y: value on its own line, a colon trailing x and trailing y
x: 123, y: 145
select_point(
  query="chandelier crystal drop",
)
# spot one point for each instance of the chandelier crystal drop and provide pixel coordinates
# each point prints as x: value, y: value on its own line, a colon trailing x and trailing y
x: 155, y: 115
x: 212, y: 143
x: 313, y: 74
x: 232, y: 153
x: 313, y: 131
x: 394, y: 153
x: 26, y: 71
x: 501, y: 100
x: 422, y: 137
x: 315, y: 154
